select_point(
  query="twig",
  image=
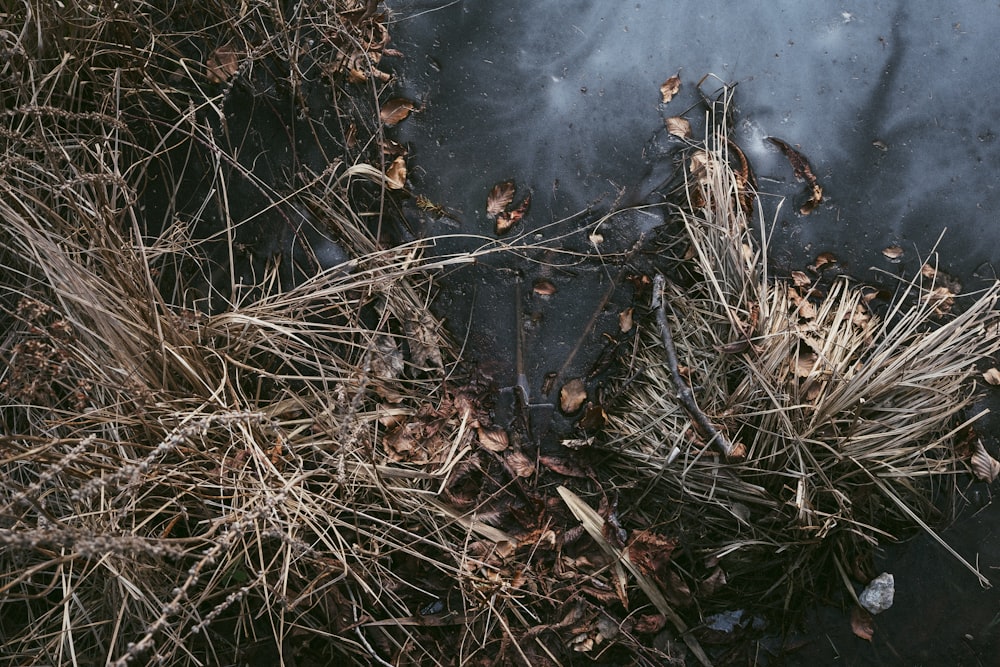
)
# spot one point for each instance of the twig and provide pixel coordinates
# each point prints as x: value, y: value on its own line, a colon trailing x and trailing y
x: 684, y: 394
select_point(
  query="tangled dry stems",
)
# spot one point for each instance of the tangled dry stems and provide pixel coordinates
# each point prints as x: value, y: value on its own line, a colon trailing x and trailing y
x: 194, y: 460
x: 184, y: 481
x: 852, y: 421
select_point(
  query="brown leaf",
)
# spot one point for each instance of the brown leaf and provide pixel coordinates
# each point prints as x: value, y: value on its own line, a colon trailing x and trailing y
x: 713, y: 582
x: 814, y: 200
x: 508, y: 219
x: 625, y: 320
x: 801, y: 279
x: 594, y: 417
x: 941, y: 299
x: 518, y: 463
x: 984, y: 466
x: 543, y: 287
x: 223, y: 63
x: 396, y: 110
x: 824, y: 259
x: 649, y: 624
x: 893, y: 252
x: 805, y: 362
x: 499, y: 198
x: 669, y: 88
x: 803, y: 171
x: 992, y: 376
x: 423, y: 340
x: 395, y: 175
x: 651, y: 553
x: 679, y: 127
x: 492, y: 438
x: 564, y: 466
x: 862, y: 624
x: 356, y: 75
x: 572, y: 395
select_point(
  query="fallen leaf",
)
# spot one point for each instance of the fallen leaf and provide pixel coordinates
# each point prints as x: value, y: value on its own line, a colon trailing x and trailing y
x: 805, y: 362
x: 803, y: 171
x: 395, y: 175
x: 396, y: 110
x: 594, y: 418
x: 984, y: 466
x: 423, y: 339
x: 941, y: 299
x: 862, y: 624
x: 223, y: 63
x: 572, y: 395
x: 713, y: 582
x: 649, y: 624
x: 651, y: 553
x: 992, y: 376
x: 492, y: 438
x: 518, y: 463
x: 565, y: 466
x: 669, y: 88
x: 508, y: 219
x: 822, y: 260
x: 625, y: 320
x: 679, y: 127
x: 814, y: 200
x: 356, y: 76
x: 893, y: 252
x: 499, y: 198
x: 543, y: 287
x: 801, y: 279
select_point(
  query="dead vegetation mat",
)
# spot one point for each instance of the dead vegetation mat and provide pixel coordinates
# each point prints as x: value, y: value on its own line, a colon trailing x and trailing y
x: 218, y: 453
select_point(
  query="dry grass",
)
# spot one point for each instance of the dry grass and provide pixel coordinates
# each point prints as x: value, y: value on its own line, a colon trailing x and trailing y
x: 200, y: 480
x: 850, y: 420
x: 217, y: 450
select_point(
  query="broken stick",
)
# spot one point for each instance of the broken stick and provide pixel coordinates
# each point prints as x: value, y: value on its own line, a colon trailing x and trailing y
x: 684, y: 394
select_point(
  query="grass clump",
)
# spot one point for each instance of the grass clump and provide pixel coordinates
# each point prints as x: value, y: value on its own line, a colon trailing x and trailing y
x: 191, y: 459
x: 850, y: 422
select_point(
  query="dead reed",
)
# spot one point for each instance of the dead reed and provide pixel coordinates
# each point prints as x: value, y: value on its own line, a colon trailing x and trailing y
x: 850, y: 421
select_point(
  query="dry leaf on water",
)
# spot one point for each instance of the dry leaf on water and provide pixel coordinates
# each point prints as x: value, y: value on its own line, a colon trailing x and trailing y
x: 984, y: 466
x: 223, y: 63
x: 803, y: 171
x: 396, y: 110
x: 572, y: 395
x: 508, y: 219
x: 823, y: 261
x: 801, y: 279
x: 679, y: 127
x: 500, y: 198
x: 395, y: 175
x: 625, y: 320
x: 669, y: 88
x: 543, y: 287
x: 992, y: 376
x: 893, y: 252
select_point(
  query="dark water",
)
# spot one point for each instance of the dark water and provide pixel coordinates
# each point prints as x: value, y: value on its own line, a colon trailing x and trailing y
x: 893, y: 103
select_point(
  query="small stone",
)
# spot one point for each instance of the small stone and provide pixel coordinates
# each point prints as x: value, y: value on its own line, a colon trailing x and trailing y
x: 877, y: 596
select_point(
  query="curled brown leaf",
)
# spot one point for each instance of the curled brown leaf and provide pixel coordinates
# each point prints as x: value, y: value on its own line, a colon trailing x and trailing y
x: 396, y: 110
x: 395, y: 175
x: 500, y: 197
x: 669, y: 88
